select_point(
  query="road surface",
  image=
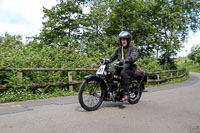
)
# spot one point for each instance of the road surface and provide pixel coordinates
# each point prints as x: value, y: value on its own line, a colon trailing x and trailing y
x: 167, y: 109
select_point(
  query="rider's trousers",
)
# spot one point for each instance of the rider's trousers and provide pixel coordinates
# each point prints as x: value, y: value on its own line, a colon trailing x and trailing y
x: 125, y: 73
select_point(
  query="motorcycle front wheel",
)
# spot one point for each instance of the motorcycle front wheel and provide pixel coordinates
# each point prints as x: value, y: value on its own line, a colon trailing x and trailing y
x: 91, y: 95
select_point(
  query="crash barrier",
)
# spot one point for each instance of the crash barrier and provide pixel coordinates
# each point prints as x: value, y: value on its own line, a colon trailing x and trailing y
x: 152, y: 77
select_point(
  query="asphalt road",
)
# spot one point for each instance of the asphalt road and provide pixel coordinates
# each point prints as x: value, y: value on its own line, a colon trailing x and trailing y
x: 167, y: 109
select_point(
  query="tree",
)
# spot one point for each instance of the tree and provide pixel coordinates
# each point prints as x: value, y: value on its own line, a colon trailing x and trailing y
x: 195, y: 54
x: 170, y: 64
x: 96, y: 20
x: 94, y: 34
x: 156, y: 26
x: 159, y: 26
x: 129, y: 15
x: 172, y: 20
x: 198, y: 57
x: 62, y: 23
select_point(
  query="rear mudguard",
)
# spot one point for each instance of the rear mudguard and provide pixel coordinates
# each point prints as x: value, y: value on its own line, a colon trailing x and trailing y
x: 103, y: 84
x: 141, y: 80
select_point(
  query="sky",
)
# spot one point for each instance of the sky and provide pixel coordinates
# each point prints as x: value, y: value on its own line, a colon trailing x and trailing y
x: 24, y: 17
x: 193, y: 40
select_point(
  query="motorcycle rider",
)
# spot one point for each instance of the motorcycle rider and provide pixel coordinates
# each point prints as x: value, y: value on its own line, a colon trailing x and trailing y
x: 127, y: 55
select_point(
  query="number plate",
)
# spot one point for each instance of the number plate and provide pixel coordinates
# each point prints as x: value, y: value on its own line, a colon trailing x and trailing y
x: 101, y: 70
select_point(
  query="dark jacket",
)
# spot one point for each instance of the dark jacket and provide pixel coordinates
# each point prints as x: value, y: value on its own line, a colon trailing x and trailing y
x: 130, y: 54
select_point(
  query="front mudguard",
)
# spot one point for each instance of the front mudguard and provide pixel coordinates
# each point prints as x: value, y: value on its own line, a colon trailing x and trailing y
x: 102, y: 82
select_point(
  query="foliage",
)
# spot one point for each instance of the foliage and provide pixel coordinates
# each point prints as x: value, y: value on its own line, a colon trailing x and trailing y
x: 170, y: 64
x: 198, y: 57
x: 195, y: 54
x: 11, y: 41
x: 33, y: 55
x: 156, y: 26
x: 62, y: 24
x: 160, y: 26
x: 149, y: 64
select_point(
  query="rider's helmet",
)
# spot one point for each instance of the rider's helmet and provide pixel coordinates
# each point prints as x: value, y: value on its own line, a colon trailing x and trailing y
x: 125, y: 34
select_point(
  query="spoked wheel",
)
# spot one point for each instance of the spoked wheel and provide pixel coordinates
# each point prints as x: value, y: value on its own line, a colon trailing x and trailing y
x: 91, y: 95
x: 135, y: 93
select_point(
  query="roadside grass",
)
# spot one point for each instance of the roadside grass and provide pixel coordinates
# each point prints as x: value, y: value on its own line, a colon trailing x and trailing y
x: 194, y: 68
x: 188, y: 64
x: 23, y: 94
x: 191, y: 67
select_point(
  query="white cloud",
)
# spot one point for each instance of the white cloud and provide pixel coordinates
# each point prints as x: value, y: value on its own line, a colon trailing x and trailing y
x: 23, y: 17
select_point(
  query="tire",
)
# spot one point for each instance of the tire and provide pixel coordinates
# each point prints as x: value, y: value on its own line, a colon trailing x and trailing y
x: 135, y: 93
x: 89, y: 92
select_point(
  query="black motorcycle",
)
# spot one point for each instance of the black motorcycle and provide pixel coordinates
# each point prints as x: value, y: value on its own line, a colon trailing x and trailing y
x: 105, y: 86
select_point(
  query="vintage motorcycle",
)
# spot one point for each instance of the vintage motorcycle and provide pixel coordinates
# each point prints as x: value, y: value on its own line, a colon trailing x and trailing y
x: 105, y: 86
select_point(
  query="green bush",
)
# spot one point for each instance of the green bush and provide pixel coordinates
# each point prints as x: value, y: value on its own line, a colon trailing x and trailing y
x: 149, y: 64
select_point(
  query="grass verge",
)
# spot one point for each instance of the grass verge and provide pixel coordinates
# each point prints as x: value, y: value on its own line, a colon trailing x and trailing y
x: 23, y: 94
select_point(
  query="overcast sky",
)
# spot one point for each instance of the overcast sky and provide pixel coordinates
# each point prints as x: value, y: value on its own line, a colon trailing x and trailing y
x: 24, y: 17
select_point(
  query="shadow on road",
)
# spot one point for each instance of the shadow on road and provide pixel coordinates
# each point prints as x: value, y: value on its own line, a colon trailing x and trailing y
x: 114, y: 104
x: 118, y: 105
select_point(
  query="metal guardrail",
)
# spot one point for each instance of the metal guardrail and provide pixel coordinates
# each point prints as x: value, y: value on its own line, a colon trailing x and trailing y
x: 70, y: 82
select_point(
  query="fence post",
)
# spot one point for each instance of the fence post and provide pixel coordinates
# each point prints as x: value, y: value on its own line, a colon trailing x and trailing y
x: 171, y: 75
x: 70, y: 79
x: 148, y: 79
x: 20, y: 77
x: 158, y: 78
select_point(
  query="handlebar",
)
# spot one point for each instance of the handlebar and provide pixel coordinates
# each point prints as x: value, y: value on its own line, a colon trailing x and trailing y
x: 116, y: 64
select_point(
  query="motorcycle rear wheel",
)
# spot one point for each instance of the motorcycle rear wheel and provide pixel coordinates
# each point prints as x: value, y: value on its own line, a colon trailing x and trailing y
x: 91, y: 94
x: 135, y: 93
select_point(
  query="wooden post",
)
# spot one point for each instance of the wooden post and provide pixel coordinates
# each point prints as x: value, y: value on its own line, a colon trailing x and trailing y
x: 70, y: 79
x: 147, y: 79
x: 158, y: 78
x: 171, y: 75
x: 20, y: 77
